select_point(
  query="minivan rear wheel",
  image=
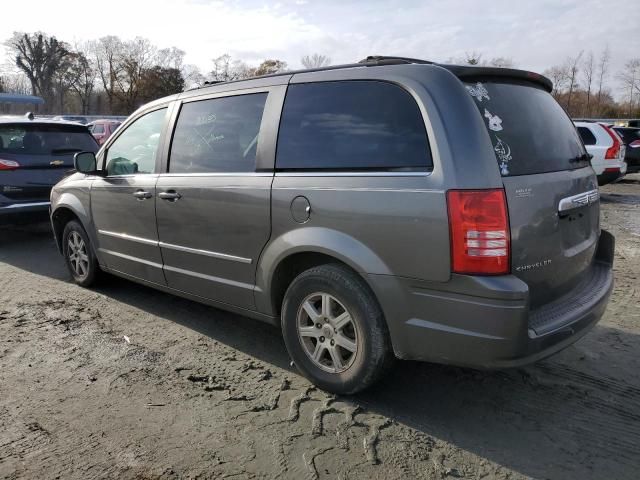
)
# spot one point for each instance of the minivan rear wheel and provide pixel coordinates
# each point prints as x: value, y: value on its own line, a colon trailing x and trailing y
x: 335, y: 330
x: 78, y: 254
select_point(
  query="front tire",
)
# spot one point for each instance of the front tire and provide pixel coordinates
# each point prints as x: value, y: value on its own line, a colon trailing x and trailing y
x: 78, y: 254
x: 335, y: 330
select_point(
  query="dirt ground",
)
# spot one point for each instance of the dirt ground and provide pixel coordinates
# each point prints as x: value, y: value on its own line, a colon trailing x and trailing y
x: 126, y: 382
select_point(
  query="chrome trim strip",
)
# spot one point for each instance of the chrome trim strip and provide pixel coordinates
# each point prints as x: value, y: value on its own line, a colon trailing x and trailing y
x: 206, y: 253
x: 218, y: 174
x: 579, y: 200
x: 354, y: 174
x: 25, y: 205
x: 132, y: 238
x: 129, y: 257
x: 197, y: 251
x: 209, y: 277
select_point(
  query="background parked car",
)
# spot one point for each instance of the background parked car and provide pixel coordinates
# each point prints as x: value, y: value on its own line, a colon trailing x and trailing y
x: 72, y: 118
x: 103, y: 129
x: 34, y: 156
x: 631, y: 139
x: 607, y: 149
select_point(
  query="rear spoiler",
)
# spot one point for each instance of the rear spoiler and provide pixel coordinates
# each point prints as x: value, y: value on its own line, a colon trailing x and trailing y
x: 464, y: 71
x: 470, y: 72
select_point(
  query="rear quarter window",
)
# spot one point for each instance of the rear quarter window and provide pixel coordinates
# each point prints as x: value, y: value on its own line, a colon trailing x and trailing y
x: 351, y: 125
x: 587, y: 136
x: 529, y: 130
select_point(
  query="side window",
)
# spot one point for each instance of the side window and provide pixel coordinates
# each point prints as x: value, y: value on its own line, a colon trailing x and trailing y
x: 587, y: 137
x: 134, y: 151
x: 217, y: 135
x: 351, y: 125
x: 97, y: 128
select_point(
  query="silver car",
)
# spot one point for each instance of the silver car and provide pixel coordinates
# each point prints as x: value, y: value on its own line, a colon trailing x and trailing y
x: 392, y: 208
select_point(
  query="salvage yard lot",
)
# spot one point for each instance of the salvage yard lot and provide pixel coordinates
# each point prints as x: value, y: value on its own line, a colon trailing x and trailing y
x: 128, y: 382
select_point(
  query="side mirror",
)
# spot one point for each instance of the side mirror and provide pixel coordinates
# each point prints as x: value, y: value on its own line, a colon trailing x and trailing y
x: 85, y: 162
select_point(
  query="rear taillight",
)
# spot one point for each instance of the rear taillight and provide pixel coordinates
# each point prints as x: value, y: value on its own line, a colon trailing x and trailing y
x: 8, y: 164
x: 614, y: 150
x: 479, y: 228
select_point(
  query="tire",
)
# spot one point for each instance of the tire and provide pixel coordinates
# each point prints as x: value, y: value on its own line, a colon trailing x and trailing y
x: 78, y: 254
x: 329, y: 334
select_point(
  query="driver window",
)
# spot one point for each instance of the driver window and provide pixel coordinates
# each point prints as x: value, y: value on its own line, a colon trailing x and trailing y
x: 134, y: 151
x: 217, y: 135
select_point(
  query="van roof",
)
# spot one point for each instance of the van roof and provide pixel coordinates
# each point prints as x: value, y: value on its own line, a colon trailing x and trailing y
x: 461, y: 71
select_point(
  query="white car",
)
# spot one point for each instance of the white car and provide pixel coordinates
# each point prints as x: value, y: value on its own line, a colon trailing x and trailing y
x: 607, y: 149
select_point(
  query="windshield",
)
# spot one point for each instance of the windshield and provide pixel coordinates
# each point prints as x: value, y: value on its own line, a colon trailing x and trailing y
x: 530, y: 131
x: 45, y: 139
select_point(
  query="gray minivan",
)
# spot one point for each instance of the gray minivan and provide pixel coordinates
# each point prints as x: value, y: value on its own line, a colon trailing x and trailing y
x: 390, y: 208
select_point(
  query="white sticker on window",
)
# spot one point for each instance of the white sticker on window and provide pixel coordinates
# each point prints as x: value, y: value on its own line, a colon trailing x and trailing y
x: 503, y: 152
x: 495, y: 122
x: 478, y: 91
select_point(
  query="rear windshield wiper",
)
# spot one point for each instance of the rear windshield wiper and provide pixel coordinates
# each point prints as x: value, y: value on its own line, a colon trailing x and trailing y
x: 585, y: 157
x: 66, y: 150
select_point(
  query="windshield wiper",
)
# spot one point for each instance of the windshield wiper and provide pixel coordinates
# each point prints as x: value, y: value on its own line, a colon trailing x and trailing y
x: 585, y: 157
x: 66, y: 150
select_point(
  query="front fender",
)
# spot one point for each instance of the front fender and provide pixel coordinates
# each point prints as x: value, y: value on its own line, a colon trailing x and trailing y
x: 322, y: 240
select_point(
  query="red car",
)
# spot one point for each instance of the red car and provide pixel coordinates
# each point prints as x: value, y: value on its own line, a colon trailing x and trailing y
x: 102, y: 129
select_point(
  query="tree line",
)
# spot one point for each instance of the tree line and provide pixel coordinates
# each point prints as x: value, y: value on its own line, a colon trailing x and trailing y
x: 112, y: 76
x: 580, y: 86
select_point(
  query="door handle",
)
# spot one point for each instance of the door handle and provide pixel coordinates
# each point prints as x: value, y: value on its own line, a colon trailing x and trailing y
x: 141, y: 194
x: 170, y: 195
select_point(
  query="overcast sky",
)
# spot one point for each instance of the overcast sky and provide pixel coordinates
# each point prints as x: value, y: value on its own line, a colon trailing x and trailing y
x: 536, y: 34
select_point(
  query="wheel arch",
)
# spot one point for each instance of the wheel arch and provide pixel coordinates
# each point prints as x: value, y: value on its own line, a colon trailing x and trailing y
x: 290, y: 254
x: 67, y: 207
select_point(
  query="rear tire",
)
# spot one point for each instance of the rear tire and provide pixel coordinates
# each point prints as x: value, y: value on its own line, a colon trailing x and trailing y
x: 78, y: 254
x: 335, y: 330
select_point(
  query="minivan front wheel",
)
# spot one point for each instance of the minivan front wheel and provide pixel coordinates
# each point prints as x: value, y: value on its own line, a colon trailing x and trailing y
x: 79, y: 257
x: 334, y: 330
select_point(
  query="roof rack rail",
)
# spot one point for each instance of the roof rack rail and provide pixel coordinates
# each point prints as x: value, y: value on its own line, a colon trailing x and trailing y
x: 386, y: 60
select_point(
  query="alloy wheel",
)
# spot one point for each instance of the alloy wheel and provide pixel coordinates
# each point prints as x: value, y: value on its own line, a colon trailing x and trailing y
x: 327, y: 332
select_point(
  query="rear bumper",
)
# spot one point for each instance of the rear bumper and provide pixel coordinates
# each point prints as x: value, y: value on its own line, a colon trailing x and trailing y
x: 24, y: 212
x: 485, y: 322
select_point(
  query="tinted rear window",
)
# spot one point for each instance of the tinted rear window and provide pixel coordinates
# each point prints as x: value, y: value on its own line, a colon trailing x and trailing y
x: 628, y: 134
x: 530, y: 132
x: 587, y: 137
x: 45, y: 139
x: 351, y: 125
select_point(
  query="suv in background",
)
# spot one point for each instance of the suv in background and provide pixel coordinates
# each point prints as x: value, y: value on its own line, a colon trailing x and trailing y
x: 103, y: 129
x: 607, y: 149
x: 34, y: 156
x: 391, y: 208
x: 631, y: 138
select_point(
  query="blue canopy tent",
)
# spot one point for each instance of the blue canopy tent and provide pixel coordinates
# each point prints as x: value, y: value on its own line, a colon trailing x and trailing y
x: 7, y: 100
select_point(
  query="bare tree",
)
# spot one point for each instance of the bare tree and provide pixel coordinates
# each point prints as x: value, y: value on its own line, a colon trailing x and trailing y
x: 170, y: 58
x: 315, y: 61
x: 81, y: 75
x: 193, y: 78
x: 107, y: 52
x: 137, y: 56
x: 559, y: 76
x: 226, y: 69
x: 588, y: 72
x: 502, y: 62
x: 573, y: 68
x: 630, y: 80
x: 603, y: 68
x: 39, y: 57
